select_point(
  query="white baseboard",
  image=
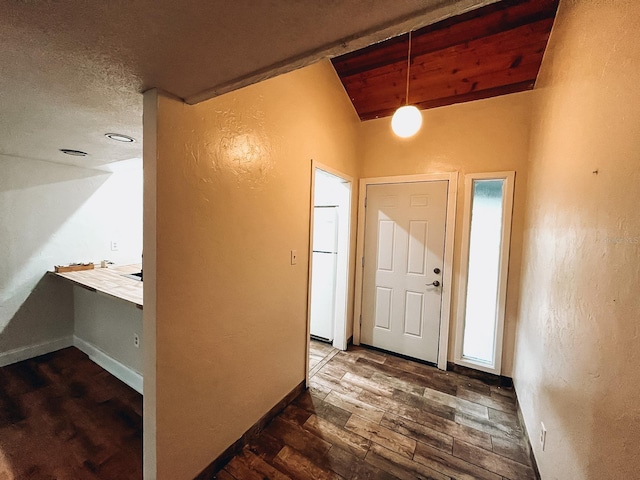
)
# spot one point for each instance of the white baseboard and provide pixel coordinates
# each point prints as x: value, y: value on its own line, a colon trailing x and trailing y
x: 31, y: 351
x: 111, y: 365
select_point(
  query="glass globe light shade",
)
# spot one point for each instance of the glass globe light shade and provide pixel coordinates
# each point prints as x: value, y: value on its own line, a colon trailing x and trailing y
x: 406, y: 121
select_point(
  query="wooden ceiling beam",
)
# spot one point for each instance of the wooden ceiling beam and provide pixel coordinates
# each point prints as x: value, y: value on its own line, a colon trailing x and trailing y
x: 471, y: 26
x: 491, y: 50
x: 461, y: 98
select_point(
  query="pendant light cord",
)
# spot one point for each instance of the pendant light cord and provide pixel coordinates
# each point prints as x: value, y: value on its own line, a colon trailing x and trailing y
x: 408, y: 69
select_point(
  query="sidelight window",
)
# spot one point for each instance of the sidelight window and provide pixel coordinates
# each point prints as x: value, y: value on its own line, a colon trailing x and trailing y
x: 485, y: 259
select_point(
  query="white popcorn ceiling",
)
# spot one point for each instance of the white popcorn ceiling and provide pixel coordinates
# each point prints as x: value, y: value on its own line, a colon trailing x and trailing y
x: 73, y: 70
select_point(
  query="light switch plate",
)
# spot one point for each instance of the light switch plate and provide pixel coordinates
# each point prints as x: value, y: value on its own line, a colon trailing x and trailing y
x: 294, y: 257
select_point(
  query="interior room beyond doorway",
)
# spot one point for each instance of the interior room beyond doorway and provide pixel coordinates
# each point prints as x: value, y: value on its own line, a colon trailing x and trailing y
x: 329, y: 265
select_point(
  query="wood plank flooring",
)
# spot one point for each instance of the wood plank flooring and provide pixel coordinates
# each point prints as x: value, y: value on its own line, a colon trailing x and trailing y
x: 319, y: 354
x: 368, y: 415
x: 63, y: 417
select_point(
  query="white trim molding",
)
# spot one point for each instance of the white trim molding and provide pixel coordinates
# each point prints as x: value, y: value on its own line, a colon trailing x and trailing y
x: 342, y: 321
x: 495, y: 366
x: 447, y: 278
x: 110, y: 364
x: 25, y: 353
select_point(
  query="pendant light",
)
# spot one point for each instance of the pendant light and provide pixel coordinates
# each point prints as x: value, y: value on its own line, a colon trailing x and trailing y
x: 407, y: 120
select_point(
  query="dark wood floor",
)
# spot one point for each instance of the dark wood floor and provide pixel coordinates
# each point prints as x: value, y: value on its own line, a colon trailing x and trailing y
x: 63, y: 417
x: 373, y: 416
x: 367, y: 415
x: 319, y: 354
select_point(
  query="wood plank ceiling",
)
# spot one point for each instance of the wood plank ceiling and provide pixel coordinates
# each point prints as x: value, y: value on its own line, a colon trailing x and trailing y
x: 488, y: 52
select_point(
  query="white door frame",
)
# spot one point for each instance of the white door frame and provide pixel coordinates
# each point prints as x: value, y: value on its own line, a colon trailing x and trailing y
x: 445, y: 312
x: 341, y: 321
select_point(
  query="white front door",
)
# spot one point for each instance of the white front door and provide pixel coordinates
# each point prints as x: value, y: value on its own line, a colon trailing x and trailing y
x: 403, y: 257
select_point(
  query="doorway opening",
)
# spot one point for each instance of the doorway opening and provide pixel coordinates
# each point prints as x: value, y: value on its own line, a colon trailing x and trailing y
x: 329, y: 258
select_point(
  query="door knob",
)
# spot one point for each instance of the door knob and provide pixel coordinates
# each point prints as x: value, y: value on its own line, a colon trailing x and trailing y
x: 435, y: 283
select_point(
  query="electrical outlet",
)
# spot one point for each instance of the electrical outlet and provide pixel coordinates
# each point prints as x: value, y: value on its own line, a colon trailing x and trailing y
x: 136, y: 340
x: 115, y: 245
x: 294, y: 257
x: 543, y: 435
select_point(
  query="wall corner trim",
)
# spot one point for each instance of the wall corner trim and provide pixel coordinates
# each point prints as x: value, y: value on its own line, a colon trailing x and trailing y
x: 24, y: 353
x: 214, y: 467
x: 110, y: 364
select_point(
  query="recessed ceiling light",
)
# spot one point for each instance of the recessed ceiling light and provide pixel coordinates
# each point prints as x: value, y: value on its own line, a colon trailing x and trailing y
x: 75, y: 153
x: 118, y: 137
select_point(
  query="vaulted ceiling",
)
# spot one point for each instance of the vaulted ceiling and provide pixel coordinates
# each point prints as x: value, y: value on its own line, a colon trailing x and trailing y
x: 490, y: 51
x: 73, y: 70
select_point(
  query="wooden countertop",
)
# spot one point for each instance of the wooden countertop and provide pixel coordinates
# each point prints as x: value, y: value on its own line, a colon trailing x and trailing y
x: 110, y: 281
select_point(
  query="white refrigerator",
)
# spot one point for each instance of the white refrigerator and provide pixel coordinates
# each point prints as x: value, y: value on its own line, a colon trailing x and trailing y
x: 323, y: 275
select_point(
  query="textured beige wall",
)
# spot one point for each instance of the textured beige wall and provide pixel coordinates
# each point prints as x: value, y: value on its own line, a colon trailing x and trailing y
x: 233, y: 198
x: 484, y: 136
x: 578, y: 349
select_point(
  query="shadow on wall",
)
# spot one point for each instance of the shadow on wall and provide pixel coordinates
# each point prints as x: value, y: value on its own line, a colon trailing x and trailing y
x: 46, y: 316
x: 37, y: 199
x: 43, y: 224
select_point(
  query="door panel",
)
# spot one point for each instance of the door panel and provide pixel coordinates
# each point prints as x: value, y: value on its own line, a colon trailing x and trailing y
x: 383, y: 307
x: 404, y: 243
x: 386, y: 236
x: 417, y: 241
x: 413, y: 318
